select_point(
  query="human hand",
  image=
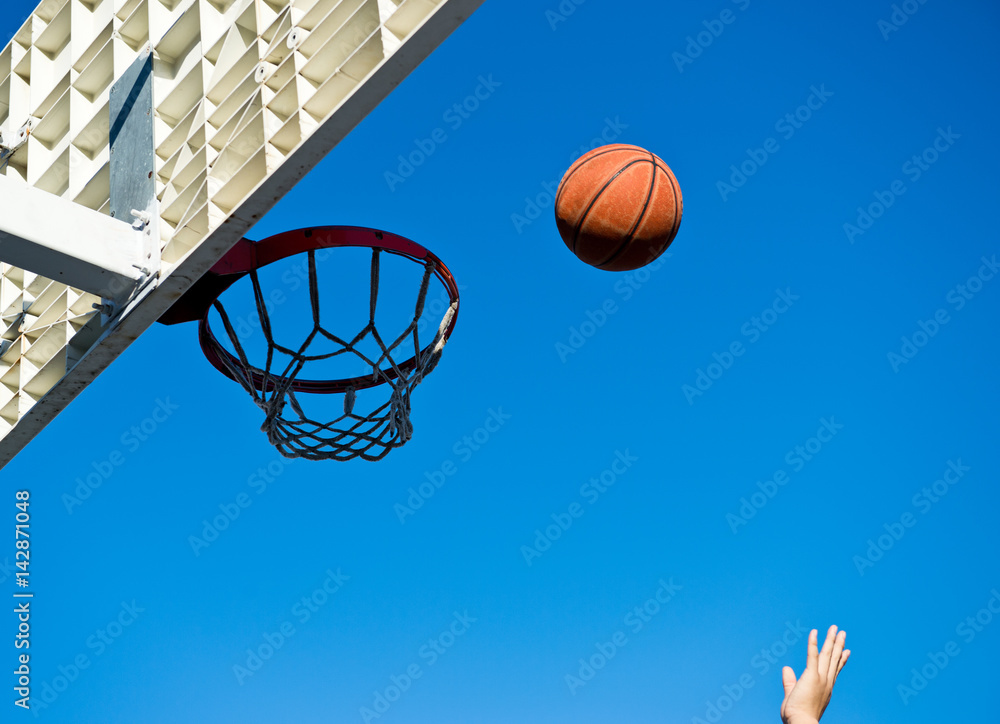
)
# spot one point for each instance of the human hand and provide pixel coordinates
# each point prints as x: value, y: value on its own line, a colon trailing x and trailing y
x: 806, y: 698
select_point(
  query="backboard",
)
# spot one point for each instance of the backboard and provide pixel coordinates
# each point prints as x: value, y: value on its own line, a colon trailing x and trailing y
x: 141, y: 139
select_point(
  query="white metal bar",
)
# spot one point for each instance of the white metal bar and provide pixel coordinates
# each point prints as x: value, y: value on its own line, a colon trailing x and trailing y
x: 67, y: 242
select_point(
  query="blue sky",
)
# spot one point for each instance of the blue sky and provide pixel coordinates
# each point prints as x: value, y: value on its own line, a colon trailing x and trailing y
x: 448, y: 592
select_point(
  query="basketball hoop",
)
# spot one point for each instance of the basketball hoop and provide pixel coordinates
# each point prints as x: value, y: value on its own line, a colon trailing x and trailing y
x: 277, y: 392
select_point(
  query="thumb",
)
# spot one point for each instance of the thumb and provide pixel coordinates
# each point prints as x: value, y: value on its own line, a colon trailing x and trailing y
x: 788, y: 679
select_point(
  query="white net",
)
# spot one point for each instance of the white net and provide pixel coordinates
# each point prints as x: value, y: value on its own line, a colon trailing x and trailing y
x: 277, y: 385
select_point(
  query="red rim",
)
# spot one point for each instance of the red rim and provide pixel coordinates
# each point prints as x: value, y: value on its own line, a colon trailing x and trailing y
x: 247, y: 256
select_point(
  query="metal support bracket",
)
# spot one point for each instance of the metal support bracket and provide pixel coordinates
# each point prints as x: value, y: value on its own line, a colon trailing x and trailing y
x: 133, y: 166
x: 117, y: 258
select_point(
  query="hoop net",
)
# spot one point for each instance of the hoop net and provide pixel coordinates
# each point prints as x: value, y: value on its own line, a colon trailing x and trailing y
x: 276, y: 391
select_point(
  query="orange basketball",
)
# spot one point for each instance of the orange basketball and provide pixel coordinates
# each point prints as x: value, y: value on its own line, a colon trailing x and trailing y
x: 618, y: 207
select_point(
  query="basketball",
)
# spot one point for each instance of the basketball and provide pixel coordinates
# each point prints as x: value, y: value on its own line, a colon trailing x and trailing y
x: 618, y: 207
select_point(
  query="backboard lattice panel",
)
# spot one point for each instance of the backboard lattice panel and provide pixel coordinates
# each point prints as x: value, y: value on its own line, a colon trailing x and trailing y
x: 239, y: 86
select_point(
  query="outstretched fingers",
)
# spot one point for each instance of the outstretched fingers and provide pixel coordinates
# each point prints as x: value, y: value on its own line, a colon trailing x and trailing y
x: 837, y: 659
x: 824, y: 656
x: 807, y: 696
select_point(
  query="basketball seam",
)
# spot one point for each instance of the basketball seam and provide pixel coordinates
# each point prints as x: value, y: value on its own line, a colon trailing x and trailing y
x: 590, y: 206
x: 678, y: 206
x: 573, y: 169
x: 635, y: 227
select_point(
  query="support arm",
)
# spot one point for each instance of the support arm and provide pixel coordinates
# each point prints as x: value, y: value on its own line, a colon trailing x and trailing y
x: 68, y: 243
